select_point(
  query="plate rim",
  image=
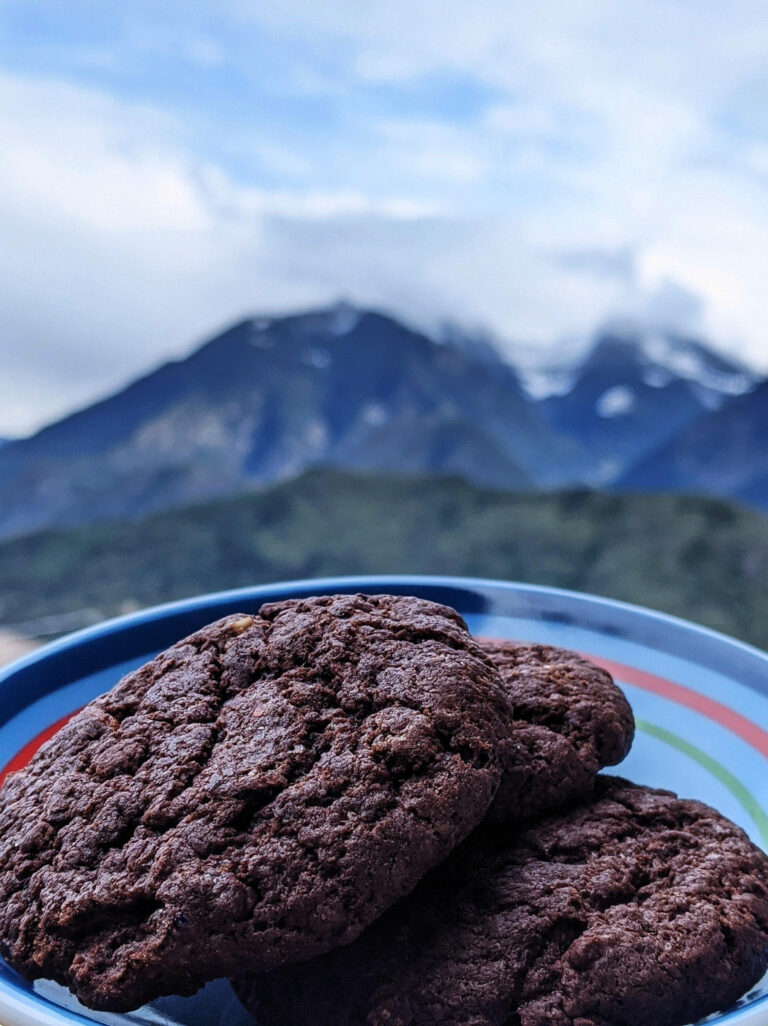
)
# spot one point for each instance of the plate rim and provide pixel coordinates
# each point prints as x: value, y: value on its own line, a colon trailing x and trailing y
x: 741, y: 659
x: 115, y: 627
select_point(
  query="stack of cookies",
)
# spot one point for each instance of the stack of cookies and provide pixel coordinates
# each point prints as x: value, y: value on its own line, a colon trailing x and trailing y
x: 364, y: 817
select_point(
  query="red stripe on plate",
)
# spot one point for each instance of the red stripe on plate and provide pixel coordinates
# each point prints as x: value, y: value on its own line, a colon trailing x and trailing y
x: 22, y: 757
x: 737, y: 724
x: 748, y: 731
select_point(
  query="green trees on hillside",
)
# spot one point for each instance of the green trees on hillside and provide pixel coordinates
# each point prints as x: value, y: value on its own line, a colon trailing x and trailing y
x: 698, y: 558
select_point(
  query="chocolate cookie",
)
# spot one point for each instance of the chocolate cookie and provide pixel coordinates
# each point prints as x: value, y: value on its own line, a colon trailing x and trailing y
x: 571, y: 720
x: 258, y: 793
x: 633, y: 909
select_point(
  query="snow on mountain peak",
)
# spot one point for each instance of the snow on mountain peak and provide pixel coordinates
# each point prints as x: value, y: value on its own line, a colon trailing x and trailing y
x: 688, y: 360
x: 657, y: 377
x: 317, y: 357
x: 653, y: 357
x: 545, y: 382
x: 258, y: 335
x: 615, y: 402
x: 343, y: 319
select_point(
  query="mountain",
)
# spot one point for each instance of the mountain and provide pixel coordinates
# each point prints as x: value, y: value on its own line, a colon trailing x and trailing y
x: 700, y: 558
x: 270, y: 397
x: 353, y: 388
x: 722, y: 453
x: 636, y: 390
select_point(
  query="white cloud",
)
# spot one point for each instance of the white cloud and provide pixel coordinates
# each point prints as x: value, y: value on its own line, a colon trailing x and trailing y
x: 634, y: 102
x: 601, y: 176
x: 437, y: 153
x: 533, y: 120
x: 122, y: 249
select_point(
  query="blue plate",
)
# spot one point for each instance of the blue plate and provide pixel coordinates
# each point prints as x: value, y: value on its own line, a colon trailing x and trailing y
x: 700, y: 700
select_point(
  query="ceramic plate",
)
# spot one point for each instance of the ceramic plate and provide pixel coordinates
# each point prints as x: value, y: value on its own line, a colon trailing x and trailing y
x: 700, y: 700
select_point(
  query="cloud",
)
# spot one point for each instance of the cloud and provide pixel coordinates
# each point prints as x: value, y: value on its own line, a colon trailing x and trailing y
x: 123, y: 249
x: 535, y: 170
x: 619, y: 263
x: 634, y: 131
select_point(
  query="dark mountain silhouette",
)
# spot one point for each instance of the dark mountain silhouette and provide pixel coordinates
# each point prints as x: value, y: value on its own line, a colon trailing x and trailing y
x: 268, y: 398
x: 355, y: 389
x: 722, y: 453
x: 635, y: 391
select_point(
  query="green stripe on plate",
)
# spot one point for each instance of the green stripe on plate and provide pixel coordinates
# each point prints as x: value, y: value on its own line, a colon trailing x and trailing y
x: 742, y: 794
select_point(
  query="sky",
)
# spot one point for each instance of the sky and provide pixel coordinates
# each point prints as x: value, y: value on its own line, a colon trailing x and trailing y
x: 530, y: 170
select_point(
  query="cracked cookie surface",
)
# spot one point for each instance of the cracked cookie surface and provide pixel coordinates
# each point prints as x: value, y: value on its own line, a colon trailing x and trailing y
x: 258, y: 793
x: 634, y: 908
x: 571, y: 721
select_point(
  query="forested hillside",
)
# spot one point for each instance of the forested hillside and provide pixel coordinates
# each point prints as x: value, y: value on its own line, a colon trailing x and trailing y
x: 698, y: 558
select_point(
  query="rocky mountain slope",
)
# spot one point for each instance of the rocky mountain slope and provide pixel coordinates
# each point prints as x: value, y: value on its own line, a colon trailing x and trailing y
x: 268, y: 398
x: 635, y: 391
x: 723, y: 453
x: 352, y: 388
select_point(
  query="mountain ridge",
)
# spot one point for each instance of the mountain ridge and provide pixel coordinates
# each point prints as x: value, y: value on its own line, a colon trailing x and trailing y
x: 269, y: 397
x: 724, y: 453
x: 635, y: 391
x: 262, y: 401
